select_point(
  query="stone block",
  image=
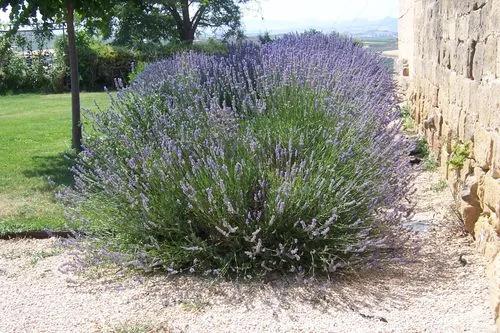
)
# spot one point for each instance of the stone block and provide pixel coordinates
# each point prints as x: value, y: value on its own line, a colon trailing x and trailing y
x: 498, y: 59
x: 487, y: 240
x: 469, y: 122
x: 462, y: 29
x: 466, y: 171
x: 483, y: 148
x: 454, y: 119
x: 484, y: 105
x: 495, y: 167
x: 470, y: 215
x: 478, y: 61
x: 447, y: 137
x: 493, y: 274
x: 469, y: 191
x: 475, y: 26
x: 461, y: 124
x: 435, y: 96
x: 490, y: 57
x: 493, y: 105
x: 455, y: 84
x: 491, y: 192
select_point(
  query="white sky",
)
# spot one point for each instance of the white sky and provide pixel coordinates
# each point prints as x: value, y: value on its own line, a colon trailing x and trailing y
x: 290, y: 15
x: 299, y: 14
x: 3, y: 17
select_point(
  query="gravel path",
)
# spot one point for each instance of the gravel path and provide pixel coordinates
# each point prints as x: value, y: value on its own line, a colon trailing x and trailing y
x: 441, y: 289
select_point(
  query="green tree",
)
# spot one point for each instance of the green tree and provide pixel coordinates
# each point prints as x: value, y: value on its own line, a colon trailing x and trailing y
x: 173, y: 20
x: 265, y: 38
x: 29, y: 12
x: 141, y: 26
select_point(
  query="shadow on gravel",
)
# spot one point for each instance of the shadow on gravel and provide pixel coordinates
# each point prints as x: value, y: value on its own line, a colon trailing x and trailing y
x: 424, y: 263
x: 42, y: 234
x: 391, y: 284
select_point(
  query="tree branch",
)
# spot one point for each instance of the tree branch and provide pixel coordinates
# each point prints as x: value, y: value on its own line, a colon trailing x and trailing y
x: 198, y: 16
x: 177, y: 17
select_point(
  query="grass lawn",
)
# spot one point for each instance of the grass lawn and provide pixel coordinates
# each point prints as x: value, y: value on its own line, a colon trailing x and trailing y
x: 35, y: 135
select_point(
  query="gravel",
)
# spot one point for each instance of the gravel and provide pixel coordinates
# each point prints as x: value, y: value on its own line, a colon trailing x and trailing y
x: 440, y: 288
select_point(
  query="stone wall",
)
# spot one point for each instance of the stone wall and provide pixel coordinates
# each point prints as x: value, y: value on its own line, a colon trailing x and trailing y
x: 450, y: 63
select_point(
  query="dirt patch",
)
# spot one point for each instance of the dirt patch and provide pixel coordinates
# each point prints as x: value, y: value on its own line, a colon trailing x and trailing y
x: 10, y: 206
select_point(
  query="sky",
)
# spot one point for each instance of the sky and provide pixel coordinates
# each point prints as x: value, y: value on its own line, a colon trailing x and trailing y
x: 293, y: 15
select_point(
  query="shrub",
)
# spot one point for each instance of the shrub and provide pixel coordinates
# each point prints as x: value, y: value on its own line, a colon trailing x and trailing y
x: 282, y: 158
x: 137, y: 68
x: 265, y: 38
x: 210, y: 46
x: 99, y: 64
x: 153, y: 52
x: 22, y: 67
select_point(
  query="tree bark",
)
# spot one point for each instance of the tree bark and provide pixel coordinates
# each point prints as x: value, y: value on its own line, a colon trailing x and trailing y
x: 76, y: 137
x: 188, y: 36
x: 187, y: 26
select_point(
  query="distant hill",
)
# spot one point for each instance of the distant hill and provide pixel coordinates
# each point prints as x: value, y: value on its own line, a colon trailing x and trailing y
x: 384, y: 28
x: 359, y: 28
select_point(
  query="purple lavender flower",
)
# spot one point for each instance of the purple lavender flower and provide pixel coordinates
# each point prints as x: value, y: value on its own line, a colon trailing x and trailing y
x: 282, y: 157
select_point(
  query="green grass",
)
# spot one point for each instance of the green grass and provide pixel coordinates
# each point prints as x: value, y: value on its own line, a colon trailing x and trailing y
x: 35, y: 136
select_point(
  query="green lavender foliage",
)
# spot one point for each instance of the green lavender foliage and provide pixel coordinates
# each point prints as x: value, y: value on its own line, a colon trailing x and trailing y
x: 286, y: 158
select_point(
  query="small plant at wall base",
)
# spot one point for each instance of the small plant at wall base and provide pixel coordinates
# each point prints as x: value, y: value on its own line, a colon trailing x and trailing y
x: 408, y: 122
x: 248, y: 163
x: 460, y: 153
x: 439, y: 186
x: 430, y: 163
x: 421, y: 149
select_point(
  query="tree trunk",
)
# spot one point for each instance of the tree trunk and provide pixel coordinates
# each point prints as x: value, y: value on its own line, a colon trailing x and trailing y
x: 76, y: 138
x: 187, y: 34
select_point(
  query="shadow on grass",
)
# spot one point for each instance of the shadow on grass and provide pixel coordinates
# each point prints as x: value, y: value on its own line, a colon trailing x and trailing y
x: 55, y: 169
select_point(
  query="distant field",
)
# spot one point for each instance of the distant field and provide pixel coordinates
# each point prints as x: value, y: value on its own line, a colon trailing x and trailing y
x: 35, y: 132
x: 381, y: 45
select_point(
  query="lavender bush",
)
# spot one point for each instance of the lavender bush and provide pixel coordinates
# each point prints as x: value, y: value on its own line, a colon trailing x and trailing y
x: 286, y: 157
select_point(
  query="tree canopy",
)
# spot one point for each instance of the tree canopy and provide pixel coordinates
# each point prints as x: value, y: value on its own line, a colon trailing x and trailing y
x: 28, y: 12
x: 154, y: 21
x: 139, y: 25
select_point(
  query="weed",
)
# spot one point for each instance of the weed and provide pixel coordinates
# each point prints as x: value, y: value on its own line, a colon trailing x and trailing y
x: 196, y: 305
x: 430, y: 163
x: 408, y: 122
x: 139, y: 328
x: 37, y: 256
x: 440, y: 186
x: 421, y: 149
x: 459, y: 155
